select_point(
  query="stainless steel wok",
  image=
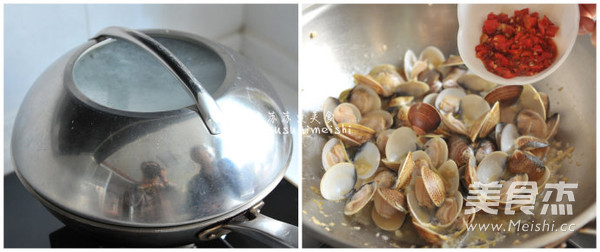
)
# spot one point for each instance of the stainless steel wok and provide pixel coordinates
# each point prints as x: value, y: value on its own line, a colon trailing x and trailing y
x: 119, y: 138
x: 340, y: 40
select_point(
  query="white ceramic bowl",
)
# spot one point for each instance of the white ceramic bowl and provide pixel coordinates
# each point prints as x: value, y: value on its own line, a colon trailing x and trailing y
x: 470, y: 21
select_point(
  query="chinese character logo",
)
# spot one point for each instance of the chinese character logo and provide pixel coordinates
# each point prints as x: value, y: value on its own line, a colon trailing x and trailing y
x: 286, y: 117
x: 478, y: 197
x: 518, y: 194
x: 272, y: 117
x: 314, y: 116
x: 561, y: 189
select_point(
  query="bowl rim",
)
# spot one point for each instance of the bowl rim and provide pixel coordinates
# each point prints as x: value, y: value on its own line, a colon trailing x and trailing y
x: 476, y: 66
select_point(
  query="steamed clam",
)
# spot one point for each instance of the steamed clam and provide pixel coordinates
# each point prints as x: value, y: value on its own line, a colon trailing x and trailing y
x: 423, y: 118
x: 378, y: 120
x: 354, y: 134
x: 387, y: 75
x: 338, y: 181
x: 408, y: 141
x: 402, y: 141
x: 360, y: 198
x: 365, y: 99
x: 366, y: 160
x: 333, y: 153
x: 435, y: 203
x: 335, y: 112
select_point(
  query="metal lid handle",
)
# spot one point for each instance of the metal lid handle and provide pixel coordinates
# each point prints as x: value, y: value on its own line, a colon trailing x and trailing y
x: 207, y: 107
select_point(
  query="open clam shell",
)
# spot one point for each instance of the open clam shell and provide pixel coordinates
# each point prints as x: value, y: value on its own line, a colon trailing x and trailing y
x: 436, y: 235
x: 541, y: 182
x: 387, y: 75
x: 471, y: 171
x: 372, y: 83
x: 378, y: 120
x: 459, y: 150
x: 365, y: 99
x: 429, y: 235
x: 434, y: 184
x: 333, y: 153
x: 448, y: 101
x: 536, y: 146
x: 531, y: 99
x: 507, y: 138
x: 328, y: 107
x: 433, y: 56
x: 451, y: 75
x: 358, y: 133
x: 473, y: 108
x: 394, y: 165
x: 413, y: 88
x: 432, y: 78
x: 338, y: 181
x: 454, y: 124
x: 366, y: 160
x: 335, y: 113
x: 344, y: 95
x: 453, y: 60
x: 505, y: 95
x: 387, y: 201
x: 402, y: 117
x: 437, y: 218
x: 546, y: 101
x: 552, y: 126
x: 529, y: 122
x: 400, y: 142
x: 490, y: 120
x: 449, y: 173
x: 492, y: 167
x: 388, y: 224
x: 507, y: 185
x: 346, y: 113
x: 484, y: 149
x: 473, y: 115
x: 475, y: 83
x: 401, y: 101
x: 419, y: 203
x: 350, y: 142
x: 525, y: 162
x: 405, y: 173
x: 437, y: 149
x: 385, y: 178
x: 360, y: 198
x: 421, y: 159
x: 430, y: 99
x: 413, y: 66
x: 409, y: 60
x: 449, y: 211
x: 382, y: 139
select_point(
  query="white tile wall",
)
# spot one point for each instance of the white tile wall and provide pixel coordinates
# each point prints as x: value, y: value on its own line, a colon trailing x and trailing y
x: 36, y: 35
x: 211, y: 21
x: 272, y: 23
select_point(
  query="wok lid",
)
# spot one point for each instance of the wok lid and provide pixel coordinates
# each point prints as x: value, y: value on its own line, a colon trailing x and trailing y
x: 109, y: 133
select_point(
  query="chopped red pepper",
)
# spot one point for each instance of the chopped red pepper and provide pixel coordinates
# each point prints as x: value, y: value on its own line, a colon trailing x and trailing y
x: 521, y: 45
x: 490, y: 26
